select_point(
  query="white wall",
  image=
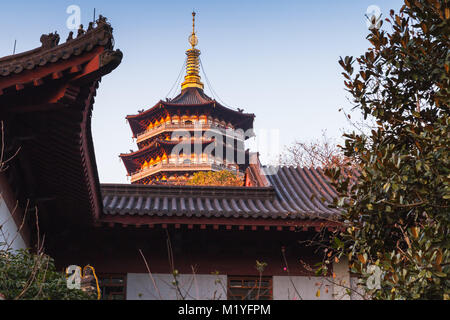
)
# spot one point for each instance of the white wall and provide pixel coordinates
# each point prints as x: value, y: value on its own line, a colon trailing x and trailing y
x: 342, y: 280
x: 199, y: 286
x: 207, y: 287
x: 289, y: 288
x: 9, y: 230
x: 358, y: 288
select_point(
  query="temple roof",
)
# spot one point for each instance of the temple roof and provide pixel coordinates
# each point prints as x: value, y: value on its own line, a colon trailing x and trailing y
x: 292, y: 193
x: 46, y: 98
x: 51, y: 51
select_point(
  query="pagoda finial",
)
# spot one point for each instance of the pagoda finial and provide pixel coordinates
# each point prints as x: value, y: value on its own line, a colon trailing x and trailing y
x: 193, y: 40
x: 192, y: 78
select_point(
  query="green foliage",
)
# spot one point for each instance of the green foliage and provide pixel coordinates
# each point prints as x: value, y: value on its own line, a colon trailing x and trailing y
x: 215, y: 178
x: 28, y: 276
x: 396, y: 215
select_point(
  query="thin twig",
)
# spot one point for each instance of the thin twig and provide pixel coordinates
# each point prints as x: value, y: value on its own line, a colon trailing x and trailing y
x: 150, y: 274
x: 289, y: 274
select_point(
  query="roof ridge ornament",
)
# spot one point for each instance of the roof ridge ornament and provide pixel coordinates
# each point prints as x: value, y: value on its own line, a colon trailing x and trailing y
x: 50, y: 40
x: 192, y: 78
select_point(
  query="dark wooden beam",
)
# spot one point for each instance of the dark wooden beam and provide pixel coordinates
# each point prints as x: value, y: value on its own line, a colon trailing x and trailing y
x: 216, y: 222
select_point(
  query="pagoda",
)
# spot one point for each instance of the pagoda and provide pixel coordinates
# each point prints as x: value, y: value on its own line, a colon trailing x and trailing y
x: 189, y: 133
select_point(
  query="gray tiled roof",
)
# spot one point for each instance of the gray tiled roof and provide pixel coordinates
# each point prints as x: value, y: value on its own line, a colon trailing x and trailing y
x: 295, y: 193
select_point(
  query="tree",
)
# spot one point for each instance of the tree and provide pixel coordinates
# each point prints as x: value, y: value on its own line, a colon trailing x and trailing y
x: 24, y: 275
x: 396, y: 216
x: 322, y: 153
x: 215, y: 178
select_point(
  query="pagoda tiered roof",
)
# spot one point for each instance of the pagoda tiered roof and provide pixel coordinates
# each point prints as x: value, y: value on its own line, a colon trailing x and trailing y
x: 156, y: 148
x: 192, y: 110
x: 191, y: 96
x: 192, y: 100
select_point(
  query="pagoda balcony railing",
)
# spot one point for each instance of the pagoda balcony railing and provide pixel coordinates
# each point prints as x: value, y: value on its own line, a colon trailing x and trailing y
x: 186, y: 166
x: 149, y: 133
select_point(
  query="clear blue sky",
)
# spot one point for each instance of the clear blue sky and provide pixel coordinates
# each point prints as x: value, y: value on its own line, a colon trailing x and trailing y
x: 277, y: 59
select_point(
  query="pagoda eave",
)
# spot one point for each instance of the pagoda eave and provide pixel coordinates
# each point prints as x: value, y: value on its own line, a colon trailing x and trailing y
x: 142, y: 115
x: 179, y: 169
x: 138, y: 123
x: 163, y: 144
x: 132, y: 161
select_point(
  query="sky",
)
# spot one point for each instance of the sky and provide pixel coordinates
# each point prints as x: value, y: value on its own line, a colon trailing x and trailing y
x: 276, y: 59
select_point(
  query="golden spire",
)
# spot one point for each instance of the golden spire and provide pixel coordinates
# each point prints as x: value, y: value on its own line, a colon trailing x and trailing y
x: 193, y: 40
x: 192, y: 78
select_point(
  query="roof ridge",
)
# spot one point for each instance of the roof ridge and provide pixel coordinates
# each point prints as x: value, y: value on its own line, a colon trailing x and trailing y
x: 51, y: 51
x: 187, y: 190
